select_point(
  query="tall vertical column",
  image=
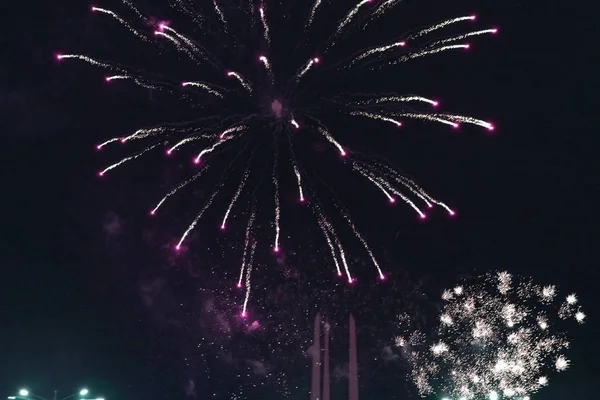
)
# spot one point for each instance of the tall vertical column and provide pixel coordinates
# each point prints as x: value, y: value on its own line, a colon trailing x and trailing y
x: 315, y: 393
x: 326, y: 384
x: 353, y: 366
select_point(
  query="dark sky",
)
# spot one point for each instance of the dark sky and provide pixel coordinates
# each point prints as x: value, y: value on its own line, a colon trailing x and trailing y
x: 90, y: 296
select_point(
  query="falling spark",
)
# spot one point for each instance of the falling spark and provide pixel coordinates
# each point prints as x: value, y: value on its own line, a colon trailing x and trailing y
x: 232, y: 130
x: 377, y: 50
x: 428, y: 52
x: 365, y: 245
x: 248, y: 276
x: 267, y: 65
x: 176, y: 189
x: 235, y: 197
x: 247, y: 243
x: 126, y: 159
x: 441, y: 25
x: 464, y: 36
x: 429, y: 117
x: 299, y: 179
x: 376, y: 116
x: 277, y: 206
x: 87, y: 59
x: 195, y: 221
x: 313, y: 11
x: 204, y: 86
x: 398, y: 99
x: 349, y: 17
x: 240, y: 79
x: 332, y: 140
x: 209, y: 150
x: 221, y: 15
x: 121, y: 21
x: 263, y: 19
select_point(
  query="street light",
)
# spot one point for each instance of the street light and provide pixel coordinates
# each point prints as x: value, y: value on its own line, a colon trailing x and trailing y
x: 24, y: 394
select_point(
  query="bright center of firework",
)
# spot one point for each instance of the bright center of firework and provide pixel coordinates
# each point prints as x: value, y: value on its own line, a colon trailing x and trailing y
x: 277, y: 108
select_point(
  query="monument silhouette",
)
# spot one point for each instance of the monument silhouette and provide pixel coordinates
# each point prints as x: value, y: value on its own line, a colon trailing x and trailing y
x: 315, y: 392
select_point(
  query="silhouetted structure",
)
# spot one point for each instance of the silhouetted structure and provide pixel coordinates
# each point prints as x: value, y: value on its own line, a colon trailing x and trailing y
x: 315, y: 393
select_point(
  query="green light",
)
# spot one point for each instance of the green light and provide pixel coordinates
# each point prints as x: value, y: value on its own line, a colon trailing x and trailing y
x: 83, y: 392
x: 23, y: 392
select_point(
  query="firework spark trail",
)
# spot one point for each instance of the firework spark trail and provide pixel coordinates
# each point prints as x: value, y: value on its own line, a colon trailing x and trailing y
x: 204, y: 86
x: 426, y: 52
x: 441, y: 25
x: 415, y: 188
x: 145, y: 132
x: 376, y: 116
x: 177, y: 188
x: 235, y: 197
x: 233, y: 129
x: 376, y: 50
x: 188, y: 140
x: 248, y: 276
x: 329, y: 233
x: 87, y: 59
x: 263, y: 19
x: 242, y: 81
x: 134, y: 9
x: 122, y: 21
x: 137, y: 81
x: 364, y: 243
x: 221, y: 15
x: 199, y: 50
x: 390, y: 188
x: 211, y: 149
x: 101, y: 145
x: 351, y: 14
x: 407, y: 183
x: 374, y: 181
x: 398, y: 99
x: 311, y: 16
x: 277, y: 206
x: 305, y: 69
x: 332, y: 140
x: 464, y: 36
x: 173, y: 40
x: 247, y: 243
x: 384, y: 7
x: 195, y: 221
x: 469, y: 120
x: 267, y: 65
x: 495, y: 335
x: 330, y: 244
x: 299, y: 179
x: 126, y: 159
x: 428, y: 117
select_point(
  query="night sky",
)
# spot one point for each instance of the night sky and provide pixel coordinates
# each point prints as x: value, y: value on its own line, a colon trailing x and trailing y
x: 92, y: 294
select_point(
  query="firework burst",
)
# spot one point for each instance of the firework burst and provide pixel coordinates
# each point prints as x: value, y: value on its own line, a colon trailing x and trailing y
x: 500, y: 336
x: 243, y: 93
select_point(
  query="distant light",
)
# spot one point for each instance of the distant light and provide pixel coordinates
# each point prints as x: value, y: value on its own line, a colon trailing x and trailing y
x: 24, y: 392
x: 493, y: 396
x: 83, y: 392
